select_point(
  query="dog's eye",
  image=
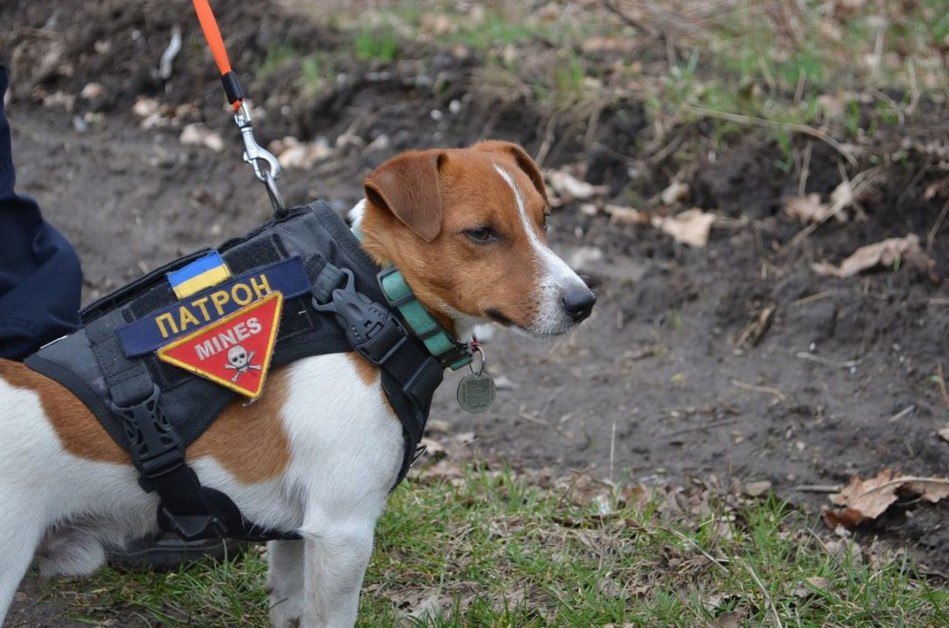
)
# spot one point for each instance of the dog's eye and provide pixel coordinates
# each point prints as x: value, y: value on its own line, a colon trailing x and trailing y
x: 482, y: 235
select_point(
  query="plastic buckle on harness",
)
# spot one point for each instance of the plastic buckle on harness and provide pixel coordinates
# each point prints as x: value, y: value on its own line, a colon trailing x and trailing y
x: 370, y: 328
x: 153, y: 443
x: 157, y: 451
x: 191, y: 527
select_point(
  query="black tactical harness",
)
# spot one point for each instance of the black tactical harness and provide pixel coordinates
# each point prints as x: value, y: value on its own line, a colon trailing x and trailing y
x: 154, y: 410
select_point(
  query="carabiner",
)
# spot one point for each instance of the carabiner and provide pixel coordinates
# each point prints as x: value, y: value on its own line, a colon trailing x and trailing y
x: 254, y: 153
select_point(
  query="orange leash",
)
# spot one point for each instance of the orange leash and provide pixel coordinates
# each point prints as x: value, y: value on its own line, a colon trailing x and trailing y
x: 235, y: 95
x: 265, y: 165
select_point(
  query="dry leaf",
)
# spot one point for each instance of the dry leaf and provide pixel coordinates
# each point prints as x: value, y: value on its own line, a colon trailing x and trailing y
x: 842, y: 547
x: 145, y: 107
x: 818, y: 582
x: 868, y: 499
x: 677, y: 191
x: 832, y: 105
x: 883, y: 253
x: 443, y: 469
x: 807, y: 588
x: 929, y: 489
x: 92, y: 91
x: 940, y: 188
x: 944, y: 433
x: 584, y: 490
x: 806, y: 208
x: 635, y: 496
x: 846, y: 518
x: 841, y: 198
x: 292, y: 153
x: 691, y: 227
x: 567, y: 185
x: 728, y: 620
x: 757, y: 489
x: 199, y: 135
x: 430, y: 606
x: 437, y: 426
x: 433, y: 447
x: 625, y: 215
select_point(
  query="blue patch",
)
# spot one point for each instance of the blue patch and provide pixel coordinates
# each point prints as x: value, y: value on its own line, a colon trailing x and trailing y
x: 188, y: 315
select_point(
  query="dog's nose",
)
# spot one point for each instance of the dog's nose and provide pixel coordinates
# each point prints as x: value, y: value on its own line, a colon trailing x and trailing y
x: 578, y: 303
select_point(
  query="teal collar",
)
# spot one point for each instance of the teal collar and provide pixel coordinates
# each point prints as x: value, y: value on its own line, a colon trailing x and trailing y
x: 443, y: 347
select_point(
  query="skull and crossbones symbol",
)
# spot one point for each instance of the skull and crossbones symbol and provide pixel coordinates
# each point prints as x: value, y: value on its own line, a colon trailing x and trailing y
x: 239, y: 360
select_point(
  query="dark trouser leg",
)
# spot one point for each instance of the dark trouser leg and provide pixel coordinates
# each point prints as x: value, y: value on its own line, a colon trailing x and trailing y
x: 40, y: 279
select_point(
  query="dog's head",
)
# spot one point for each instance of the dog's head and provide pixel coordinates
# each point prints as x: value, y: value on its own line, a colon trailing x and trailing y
x: 467, y: 229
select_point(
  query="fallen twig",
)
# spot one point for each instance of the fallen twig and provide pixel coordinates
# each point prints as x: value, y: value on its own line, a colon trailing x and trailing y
x: 699, y: 428
x: 805, y: 169
x: 628, y: 20
x: 718, y: 562
x: 818, y: 488
x: 931, y: 236
x: 755, y: 330
x: 803, y: 129
x: 899, y: 415
x: 810, y: 357
x: 811, y: 298
x: 533, y: 419
x: 767, y: 596
x: 856, y: 184
x: 941, y: 383
x: 762, y: 389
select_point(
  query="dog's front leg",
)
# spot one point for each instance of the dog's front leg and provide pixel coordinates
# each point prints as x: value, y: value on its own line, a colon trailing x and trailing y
x: 20, y: 533
x: 285, y: 582
x: 335, y: 563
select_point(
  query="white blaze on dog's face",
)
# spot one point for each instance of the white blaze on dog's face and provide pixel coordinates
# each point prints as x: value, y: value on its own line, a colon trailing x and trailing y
x: 467, y: 228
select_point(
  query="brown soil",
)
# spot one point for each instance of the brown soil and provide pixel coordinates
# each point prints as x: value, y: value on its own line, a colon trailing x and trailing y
x: 655, y: 387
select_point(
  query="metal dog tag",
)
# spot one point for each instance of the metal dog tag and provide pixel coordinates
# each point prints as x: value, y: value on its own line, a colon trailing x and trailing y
x: 476, y: 392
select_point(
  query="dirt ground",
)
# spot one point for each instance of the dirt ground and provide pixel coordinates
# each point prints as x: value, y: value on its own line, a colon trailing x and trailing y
x: 656, y: 386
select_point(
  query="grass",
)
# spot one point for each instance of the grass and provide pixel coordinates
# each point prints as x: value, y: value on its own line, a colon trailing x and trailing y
x: 492, y: 549
x: 379, y: 43
x: 787, y: 66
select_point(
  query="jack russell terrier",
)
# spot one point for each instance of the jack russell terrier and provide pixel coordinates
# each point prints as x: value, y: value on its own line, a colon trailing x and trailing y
x: 466, y: 228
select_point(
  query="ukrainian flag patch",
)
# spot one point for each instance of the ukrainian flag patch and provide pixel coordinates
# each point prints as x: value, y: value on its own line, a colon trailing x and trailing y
x: 204, y: 272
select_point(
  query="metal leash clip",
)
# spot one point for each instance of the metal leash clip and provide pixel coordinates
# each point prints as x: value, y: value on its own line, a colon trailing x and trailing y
x: 254, y: 154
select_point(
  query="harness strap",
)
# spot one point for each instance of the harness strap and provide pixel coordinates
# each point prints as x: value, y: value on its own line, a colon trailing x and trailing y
x: 185, y: 506
x: 410, y: 374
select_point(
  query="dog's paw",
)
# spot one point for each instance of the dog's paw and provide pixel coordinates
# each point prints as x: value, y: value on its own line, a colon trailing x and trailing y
x: 284, y: 613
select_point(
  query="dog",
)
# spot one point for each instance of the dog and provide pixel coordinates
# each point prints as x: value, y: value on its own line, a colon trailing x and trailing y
x: 320, y: 451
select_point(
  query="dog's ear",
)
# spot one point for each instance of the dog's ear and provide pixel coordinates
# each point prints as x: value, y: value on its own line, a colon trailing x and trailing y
x: 408, y: 187
x: 521, y: 158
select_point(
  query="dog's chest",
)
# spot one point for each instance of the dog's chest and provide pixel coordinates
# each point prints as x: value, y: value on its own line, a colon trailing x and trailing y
x: 344, y: 436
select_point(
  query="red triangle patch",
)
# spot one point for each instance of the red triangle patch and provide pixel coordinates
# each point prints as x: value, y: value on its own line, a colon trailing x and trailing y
x: 235, y: 351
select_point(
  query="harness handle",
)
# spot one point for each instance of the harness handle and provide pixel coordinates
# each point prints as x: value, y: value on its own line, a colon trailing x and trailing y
x: 265, y: 165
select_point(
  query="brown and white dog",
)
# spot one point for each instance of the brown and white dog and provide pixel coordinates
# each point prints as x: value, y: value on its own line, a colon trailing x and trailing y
x: 320, y: 450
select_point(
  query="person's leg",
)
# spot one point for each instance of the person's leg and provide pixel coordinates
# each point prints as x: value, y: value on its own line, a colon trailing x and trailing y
x: 40, y: 278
